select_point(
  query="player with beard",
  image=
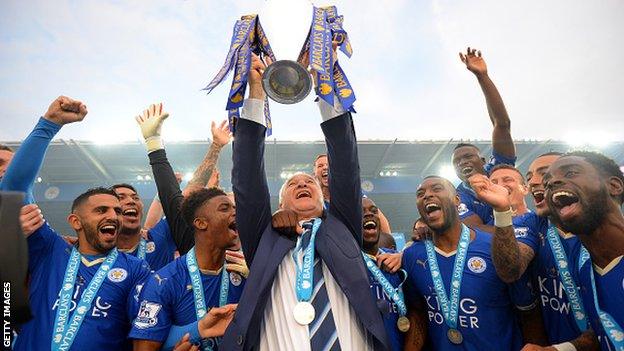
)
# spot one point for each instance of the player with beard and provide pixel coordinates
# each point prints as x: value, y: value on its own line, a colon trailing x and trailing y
x: 477, y: 312
x: 82, y: 297
x: 158, y: 248
x: 166, y: 299
x: 386, y: 287
x: 584, y: 192
x: 467, y: 159
x: 531, y: 247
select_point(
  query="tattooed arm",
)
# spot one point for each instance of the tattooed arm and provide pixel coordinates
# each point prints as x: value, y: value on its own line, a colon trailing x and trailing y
x: 510, y: 257
x: 220, y: 137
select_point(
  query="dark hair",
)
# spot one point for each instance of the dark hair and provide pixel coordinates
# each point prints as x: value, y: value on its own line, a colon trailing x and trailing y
x: 550, y: 153
x: 6, y: 148
x: 195, y: 200
x: 506, y: 166
x: 82, y: 198
x: 602, y: 163
x: 123, y: 185
x: 465, y: 144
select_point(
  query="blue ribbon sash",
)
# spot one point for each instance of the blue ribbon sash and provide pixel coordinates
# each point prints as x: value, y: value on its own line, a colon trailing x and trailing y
x: 304, y: 284
x: 561, y: 260
x: 395, y: 294
x: 611, y: 327
x: 198, y: 291
x: 141, y: 251
x: 450, y: 307
x: 64, y: 334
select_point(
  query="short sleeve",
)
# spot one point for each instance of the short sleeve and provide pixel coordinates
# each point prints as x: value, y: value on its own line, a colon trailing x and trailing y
x: 497, y: 159
x: 153, y: 319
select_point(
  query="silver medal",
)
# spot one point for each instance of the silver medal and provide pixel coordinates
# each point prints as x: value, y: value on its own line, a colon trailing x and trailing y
x: 304, y: 312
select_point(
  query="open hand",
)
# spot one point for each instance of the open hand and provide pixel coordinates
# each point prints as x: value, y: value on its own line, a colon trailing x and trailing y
x: 221, y: 134
x: 65, y: 110
x: 474, y: 62
x: 215, y: 322
x: 151, y: 120
x: 490, y: 193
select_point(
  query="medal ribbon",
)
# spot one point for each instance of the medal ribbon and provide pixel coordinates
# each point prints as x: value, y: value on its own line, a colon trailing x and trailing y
x: 305, y: 272
x: 612, y: 328
x: 198, y: 289
x: 561, y: 260
x: 142, y: 249
x: 450, y: 308
x: 396, y: 294
x: 64, y: 334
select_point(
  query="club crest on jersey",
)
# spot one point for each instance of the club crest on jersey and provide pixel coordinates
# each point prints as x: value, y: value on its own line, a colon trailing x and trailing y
x: 147, y: 316
x: 462, y: 209
x: 521, y: 232
x: 150, y: 247
x: 477, y: 264
x: 235, y: 278
x: 117, y: 275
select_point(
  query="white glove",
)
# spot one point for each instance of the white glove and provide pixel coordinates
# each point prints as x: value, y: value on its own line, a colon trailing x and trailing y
x: 150, y: 122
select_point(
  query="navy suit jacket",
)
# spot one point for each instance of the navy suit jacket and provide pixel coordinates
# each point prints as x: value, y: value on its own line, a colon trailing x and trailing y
x: 338, y: 240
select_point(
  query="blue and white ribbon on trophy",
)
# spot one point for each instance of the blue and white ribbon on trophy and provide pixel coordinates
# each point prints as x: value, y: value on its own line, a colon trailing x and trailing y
x: 330, y: 77
x: 247, y: 37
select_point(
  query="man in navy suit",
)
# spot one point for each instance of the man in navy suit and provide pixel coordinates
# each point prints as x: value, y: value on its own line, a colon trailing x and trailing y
x: 337, y: 314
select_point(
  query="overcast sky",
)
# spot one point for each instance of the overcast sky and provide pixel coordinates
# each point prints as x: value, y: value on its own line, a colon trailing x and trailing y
x: 558, y: 65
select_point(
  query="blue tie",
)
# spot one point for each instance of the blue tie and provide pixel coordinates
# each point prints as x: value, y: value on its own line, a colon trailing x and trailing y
x: 323, y: 334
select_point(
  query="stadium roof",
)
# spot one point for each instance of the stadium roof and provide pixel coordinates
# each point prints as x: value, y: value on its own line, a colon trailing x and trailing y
x: 72, y: 166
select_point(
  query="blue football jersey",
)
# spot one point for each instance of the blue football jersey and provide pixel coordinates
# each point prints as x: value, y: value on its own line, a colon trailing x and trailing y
x: 160, y: 248
x: 389, y: 309
x: 610, y: 292
x: 486, y: 319
x: 469, y: 203
x: 556, y: 312
x: 167, y: 299
x: 107, y: 322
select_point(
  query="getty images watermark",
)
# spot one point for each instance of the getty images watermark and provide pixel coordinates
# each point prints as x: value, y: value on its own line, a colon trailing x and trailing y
x: 6, y: 315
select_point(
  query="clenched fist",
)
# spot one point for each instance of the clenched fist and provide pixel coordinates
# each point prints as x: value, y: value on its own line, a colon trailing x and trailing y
x: 66, y: 110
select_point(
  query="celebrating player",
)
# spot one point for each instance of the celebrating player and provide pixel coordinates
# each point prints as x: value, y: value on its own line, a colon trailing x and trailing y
x: 467, y: 159
x: 584, y: 192
x: 466, y: 303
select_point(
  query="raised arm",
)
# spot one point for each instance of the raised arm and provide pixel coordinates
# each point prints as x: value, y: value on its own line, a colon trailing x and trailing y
x: 171, y: 198
x: 510, y: 257
x: 28, y: 159
x: 502, y: 143
x: 221, y: 136
x: 344, y: 169
x: 253, y: 206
